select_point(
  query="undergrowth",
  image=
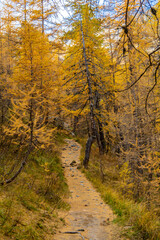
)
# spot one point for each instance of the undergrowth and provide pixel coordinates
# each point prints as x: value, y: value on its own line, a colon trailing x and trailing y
x: 29, y: 205
x: 139, y: 222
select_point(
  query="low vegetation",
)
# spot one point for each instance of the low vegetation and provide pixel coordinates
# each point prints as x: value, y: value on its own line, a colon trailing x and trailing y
x: 28, y: 206
x: 140, y: 219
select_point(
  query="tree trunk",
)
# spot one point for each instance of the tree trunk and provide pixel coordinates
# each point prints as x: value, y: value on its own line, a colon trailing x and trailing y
x: 75, y: 124
x: 101, y: 137
x: 88, y: 151
x: 91, y: 104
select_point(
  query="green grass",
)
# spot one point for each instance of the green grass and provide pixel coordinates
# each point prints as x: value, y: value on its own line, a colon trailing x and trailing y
x: 143, y: 224
x: 27, y: 205
x: 138, y: 222
x: 61, y: 135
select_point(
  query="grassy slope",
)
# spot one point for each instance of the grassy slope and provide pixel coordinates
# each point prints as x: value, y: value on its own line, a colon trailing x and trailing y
x: 138, y: 221
x: 29, y: 205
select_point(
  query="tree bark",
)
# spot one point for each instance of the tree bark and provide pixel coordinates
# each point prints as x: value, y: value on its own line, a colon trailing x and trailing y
x: 91, y: 104
x: 101, y: 137
x: 88, y: 151
x: 75, y: 121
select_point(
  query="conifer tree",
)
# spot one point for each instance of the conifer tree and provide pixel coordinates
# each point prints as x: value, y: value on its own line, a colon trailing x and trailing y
x: 26, y: 122
x: 87, y: 68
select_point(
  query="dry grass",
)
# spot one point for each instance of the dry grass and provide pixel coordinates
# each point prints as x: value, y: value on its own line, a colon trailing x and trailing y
x: 139, y: 222
x: 29, y: 206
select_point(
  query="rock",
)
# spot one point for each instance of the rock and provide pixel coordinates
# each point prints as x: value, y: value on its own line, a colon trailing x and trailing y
x: 73, y: 163
x: 73, y: 145
x: 70, y: 232
x: 105, y: 222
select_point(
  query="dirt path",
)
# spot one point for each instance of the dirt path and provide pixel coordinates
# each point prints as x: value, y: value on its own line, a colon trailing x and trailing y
x: 89, y: 217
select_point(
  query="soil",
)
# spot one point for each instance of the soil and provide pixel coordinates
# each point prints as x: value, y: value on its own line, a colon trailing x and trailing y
x: 89, y: 217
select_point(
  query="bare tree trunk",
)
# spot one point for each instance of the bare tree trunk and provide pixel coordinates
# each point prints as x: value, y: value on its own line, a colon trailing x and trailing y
x: 101, y: 136
x: 87, y: 151
x: 75, y: 121
x: 91, y: 103
x: 88, y: 128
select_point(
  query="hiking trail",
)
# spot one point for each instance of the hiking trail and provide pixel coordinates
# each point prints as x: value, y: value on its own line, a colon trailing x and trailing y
x: 89, y: 218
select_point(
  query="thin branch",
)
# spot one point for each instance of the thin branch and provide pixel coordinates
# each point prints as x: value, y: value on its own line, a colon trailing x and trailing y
x: 134, y: 46
x: 141, y: 3
x: 149, y: 92
x: 83, y: 107
x: 126, y: 14
x: 81, y: 72
x: 23, y: 163
x: 136, y: 80
x: 69, y: 56
x: 154, y: 51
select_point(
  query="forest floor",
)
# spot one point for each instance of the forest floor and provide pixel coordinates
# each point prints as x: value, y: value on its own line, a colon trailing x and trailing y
x: 89, y: 217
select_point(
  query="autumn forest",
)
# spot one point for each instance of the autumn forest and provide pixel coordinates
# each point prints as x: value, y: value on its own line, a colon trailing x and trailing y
x: 86, y: 70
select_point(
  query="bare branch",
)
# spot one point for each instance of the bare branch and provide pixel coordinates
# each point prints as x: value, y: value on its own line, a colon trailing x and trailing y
x: 30, y: 148
x: 136, y: 80
x: 149, y: 92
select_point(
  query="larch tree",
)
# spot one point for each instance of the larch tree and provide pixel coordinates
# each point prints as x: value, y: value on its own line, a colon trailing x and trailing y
x: 7, y: 45
x: 136, y: 55
x: 33, y: 63
x: 87, y: 74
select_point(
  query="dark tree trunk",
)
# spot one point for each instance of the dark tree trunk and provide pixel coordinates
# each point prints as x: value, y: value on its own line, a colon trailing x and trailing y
x: 101, y: 137
x: 75, y: 124
x: 99, y: 143
x: 88, y: 128
x: 88, y: 151
x: 91, y: 104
